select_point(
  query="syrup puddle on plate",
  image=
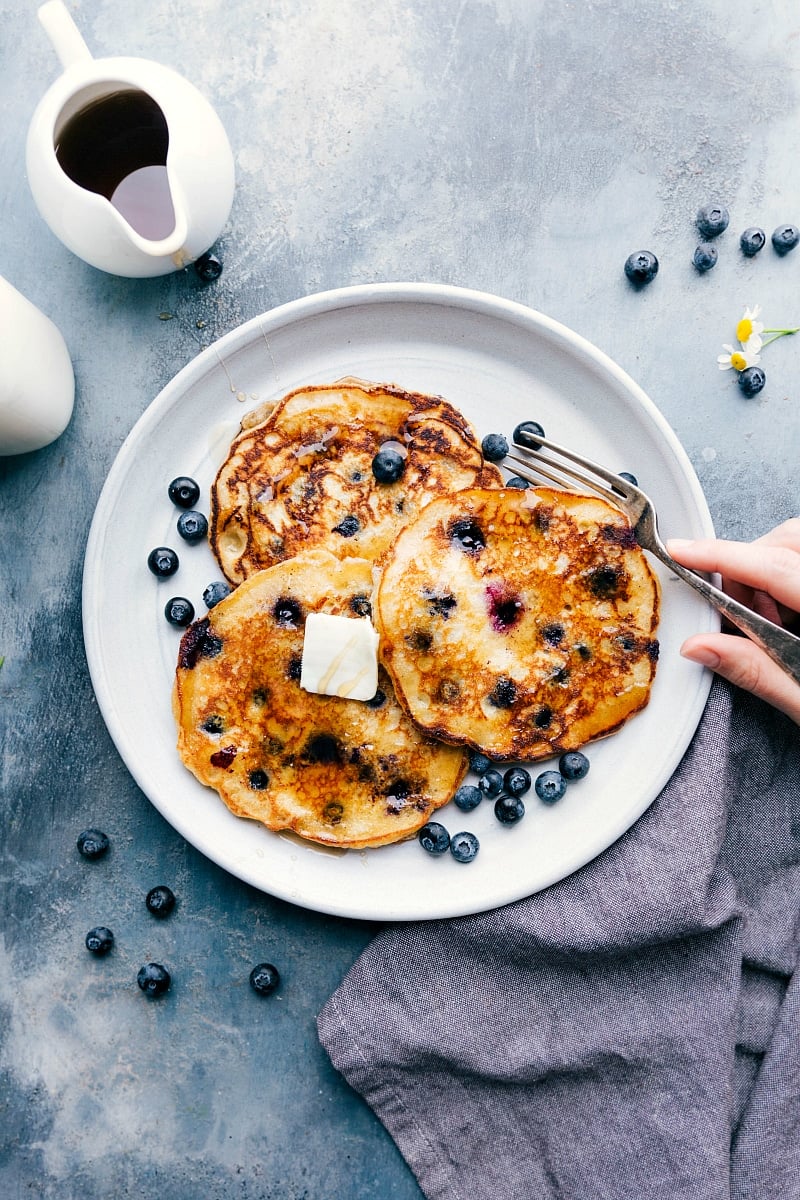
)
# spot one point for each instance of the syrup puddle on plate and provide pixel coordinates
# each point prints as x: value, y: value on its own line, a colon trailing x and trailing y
x: 317, y: 847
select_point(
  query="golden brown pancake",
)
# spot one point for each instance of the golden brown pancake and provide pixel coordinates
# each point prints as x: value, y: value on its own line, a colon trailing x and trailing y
x: 299, y: 474
x: 337, y: 771
x: 521, y: 623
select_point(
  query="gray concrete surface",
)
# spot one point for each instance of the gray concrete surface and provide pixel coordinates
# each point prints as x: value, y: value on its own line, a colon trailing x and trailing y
x: 522, y: 147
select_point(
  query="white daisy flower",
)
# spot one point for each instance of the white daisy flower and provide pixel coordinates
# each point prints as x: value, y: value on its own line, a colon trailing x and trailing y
x: 738, y: 359
x: 749, y: 330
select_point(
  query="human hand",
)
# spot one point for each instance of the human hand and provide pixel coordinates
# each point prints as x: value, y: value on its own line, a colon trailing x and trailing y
x: 764, y: 575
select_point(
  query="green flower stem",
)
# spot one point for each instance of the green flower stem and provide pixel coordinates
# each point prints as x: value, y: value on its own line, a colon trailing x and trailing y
x: 778, y: 333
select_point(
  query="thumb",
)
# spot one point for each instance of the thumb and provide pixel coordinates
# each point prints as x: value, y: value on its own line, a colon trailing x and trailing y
x: 744, y: 664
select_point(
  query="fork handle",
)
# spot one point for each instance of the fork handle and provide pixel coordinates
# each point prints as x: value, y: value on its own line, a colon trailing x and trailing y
x: 782, y: 646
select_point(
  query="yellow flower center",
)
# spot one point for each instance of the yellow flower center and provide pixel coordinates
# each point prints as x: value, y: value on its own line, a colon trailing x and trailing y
x: 738, y: 361
x: 743, y: 331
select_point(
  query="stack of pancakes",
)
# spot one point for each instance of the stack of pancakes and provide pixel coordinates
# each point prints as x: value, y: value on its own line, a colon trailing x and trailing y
x: 519, y: 623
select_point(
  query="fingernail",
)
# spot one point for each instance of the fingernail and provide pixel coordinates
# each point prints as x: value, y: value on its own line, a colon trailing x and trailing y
x: 678, y: 543
x: 703, y: 655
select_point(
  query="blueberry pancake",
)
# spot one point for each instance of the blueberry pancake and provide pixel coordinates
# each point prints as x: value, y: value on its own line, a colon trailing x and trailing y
x: 521, y: 623
x: 303, y: 473
x: 338, y: 771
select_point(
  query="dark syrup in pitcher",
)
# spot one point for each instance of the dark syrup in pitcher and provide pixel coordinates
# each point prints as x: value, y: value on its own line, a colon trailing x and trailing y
x: 117, y: 147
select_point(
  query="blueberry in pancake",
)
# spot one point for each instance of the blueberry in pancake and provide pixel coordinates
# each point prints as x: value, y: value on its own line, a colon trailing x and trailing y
x: 519, y: 623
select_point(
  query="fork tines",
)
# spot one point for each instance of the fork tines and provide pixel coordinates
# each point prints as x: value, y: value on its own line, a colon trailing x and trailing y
x: 534, y: 466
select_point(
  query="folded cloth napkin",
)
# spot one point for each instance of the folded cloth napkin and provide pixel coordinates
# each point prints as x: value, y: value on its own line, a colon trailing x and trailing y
x: 632, y: 1032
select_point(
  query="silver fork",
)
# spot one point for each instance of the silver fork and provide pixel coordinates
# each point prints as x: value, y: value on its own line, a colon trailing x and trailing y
x: 532, y: 465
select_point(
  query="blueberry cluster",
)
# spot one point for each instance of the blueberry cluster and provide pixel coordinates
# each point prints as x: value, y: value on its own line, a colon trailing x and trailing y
x: 641, y: 267
x: 506, y: 789
x: 153, y: 978
x: 163, y: 561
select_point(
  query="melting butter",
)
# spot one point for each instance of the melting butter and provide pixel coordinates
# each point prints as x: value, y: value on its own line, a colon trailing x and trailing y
x: 340, y: 657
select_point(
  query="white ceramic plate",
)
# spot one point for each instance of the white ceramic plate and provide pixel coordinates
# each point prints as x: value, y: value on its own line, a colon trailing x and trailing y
x: 500, y: 363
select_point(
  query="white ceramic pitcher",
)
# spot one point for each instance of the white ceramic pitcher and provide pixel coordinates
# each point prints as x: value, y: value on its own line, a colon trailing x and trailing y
x: 37, y: 383
x: 176, y: 176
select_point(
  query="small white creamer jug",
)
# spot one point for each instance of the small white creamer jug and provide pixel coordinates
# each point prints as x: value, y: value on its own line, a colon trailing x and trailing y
x: 37, y: 383
x: 128, y: 163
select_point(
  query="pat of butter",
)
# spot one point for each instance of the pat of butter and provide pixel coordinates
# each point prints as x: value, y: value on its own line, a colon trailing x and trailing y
x: 340, y: 657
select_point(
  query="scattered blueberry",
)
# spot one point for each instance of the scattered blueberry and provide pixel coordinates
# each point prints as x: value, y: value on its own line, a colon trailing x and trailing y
x: 179, y: 611
x: 160, y: 900
x: 153, y: 979
x: 162, y: 561
x: 208, y: 267
x: 215, y: 592
x: 526, y: 433
x: 264, y: 979
x: 712, y: 220
x: 517, y: 781
x: 550, y: 786
x: 99, y: 940
x: 192, y: 526
x: 467, y: 797
x: 751, y: 381
x: 93, y: 843
x: 516, y: 481
x: 641, y: 267
x: 752, y: 240
x: 434, y: 838
x: 479, y: 762
x: 464, y: 847
x: 573, y: 765
x: 630, y: 478
x: 785, y: 238
x: 491, y: 783
x: 388, y: 465
x: 184, y: 492
x: 494, y: 447
x: 509, y: 809
x: 705, y: 257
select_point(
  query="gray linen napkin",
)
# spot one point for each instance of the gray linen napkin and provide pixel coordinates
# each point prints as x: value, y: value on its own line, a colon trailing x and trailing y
x: 631, y: 1032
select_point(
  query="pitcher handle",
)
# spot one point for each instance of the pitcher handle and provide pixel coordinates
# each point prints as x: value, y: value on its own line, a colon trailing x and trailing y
x: 64, y: 34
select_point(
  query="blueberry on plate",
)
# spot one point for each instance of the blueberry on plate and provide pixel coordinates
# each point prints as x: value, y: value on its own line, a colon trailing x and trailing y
x: 93, y: 843
x: 264, y: 979
x: 99, y: 940
x: 785, y: 238
x: 751, y: 380
x: 192, y: 526
x: 388, y: 465
x: 517, y: 781
x: 215, y: 592
x: 705, y: 257
x: 491, y: 782
x: 550, y: 786
x: 641, y: 267
x: 712, y: 220
x: 573, y: 765
x: 516, y: 481
x: 467, y: 797
x: 464, y: 846
x: 153, y: 979
x: 184, y: 491
x: 628, y: 477
x: 479, y: 762
x: 163, y: 562
x: 526, y: 433
x: 494, y: 447
x: 434, y: 838
x: 752, y: 240
x: 208, y: 267
x: 179, y: 611
x: 160, y: 900
x: 509, y: 809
